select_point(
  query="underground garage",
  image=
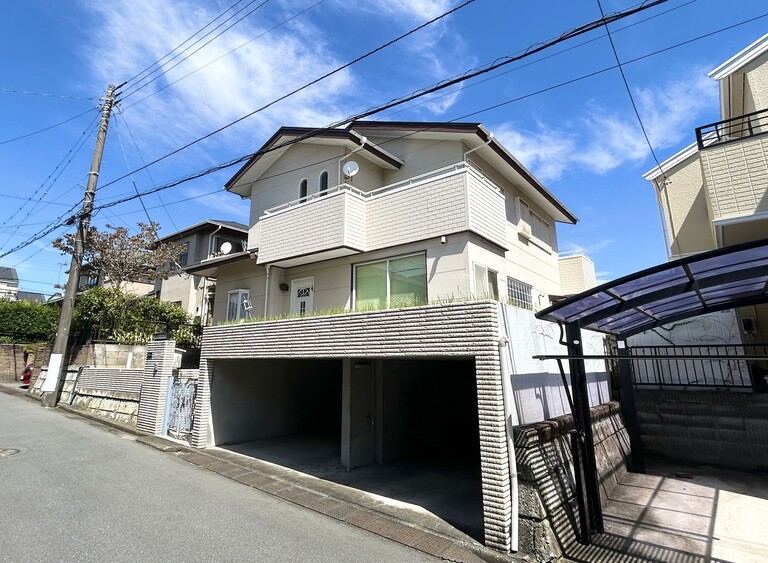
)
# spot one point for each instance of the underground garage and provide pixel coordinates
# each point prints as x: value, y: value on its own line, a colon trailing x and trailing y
x: 401, y: 428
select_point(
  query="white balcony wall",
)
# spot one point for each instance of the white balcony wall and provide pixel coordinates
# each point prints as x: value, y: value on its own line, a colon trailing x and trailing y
x: 311, y: 227
x: 454, y: 201
x: 736, y: 177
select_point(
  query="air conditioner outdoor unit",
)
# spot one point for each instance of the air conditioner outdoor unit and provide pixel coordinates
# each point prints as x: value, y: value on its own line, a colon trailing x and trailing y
x: 524, y: 229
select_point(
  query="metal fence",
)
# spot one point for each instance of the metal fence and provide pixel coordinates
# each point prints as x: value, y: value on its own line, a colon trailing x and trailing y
x: 701, y: 365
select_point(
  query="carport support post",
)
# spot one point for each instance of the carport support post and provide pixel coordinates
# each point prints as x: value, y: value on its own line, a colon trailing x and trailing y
x: 629, y: 409
x: 584, y: 457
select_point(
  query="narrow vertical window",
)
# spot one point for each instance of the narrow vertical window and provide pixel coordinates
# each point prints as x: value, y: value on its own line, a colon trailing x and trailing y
x: 303, y: 190
x: 323, y: 183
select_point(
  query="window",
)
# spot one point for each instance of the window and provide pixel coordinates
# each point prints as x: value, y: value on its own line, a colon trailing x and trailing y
x: 322, y: 186
x: 238, y: 305
x: 392, y: 283
x: 303, y: 190
x: 486, y: 282
x: 519, y: 294
x: 531, y: 221
x: 184, y: 256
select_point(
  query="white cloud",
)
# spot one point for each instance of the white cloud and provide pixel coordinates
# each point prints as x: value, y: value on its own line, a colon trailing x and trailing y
x: 141, y: 31
x: 414, y: 9
x: 600, y: 140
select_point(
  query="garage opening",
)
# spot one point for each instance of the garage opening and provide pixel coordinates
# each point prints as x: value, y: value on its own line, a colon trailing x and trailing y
x: 427, y: 443
x: 406, y: 429
x: 284, y: 411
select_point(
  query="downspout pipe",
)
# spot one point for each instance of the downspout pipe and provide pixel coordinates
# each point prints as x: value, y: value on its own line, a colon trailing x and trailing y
x: 510, y: 409
x: 488, y: 142
x: 266, y: 292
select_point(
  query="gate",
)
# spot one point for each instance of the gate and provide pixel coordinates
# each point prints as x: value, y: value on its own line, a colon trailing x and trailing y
x: 180, y: 408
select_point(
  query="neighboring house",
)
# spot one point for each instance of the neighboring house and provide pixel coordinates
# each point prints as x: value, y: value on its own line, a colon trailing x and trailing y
x: 9, y: 283
x: 577, y: 272
x: 406, y: 233
x: 91, y: 277
x: 202, y: 242
x: 31, y: 296
x: 714, y: 193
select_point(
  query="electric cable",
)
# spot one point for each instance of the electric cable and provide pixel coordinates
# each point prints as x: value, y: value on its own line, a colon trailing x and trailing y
x: 159, y: 61
x: 45, y: 95
x: 270, y: 30
x: 629, y: 93
x: 305, y: 86
x: 136, y: 88
x: 43, y: 130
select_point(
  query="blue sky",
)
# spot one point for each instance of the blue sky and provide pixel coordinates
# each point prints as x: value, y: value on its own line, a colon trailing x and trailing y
x: 582, y: 140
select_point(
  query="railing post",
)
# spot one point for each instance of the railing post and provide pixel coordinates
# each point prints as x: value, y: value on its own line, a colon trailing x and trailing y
x: 629, y: 409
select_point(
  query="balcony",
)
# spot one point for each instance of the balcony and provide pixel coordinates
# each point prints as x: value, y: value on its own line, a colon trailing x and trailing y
x: 346, y: 220
x: 734, y: 163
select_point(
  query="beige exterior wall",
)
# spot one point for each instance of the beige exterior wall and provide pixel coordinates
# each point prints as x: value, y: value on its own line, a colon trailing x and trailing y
x: 756, y: 85
x: 420, y: 156
x: 183, y: 289
x: 685, y: 207
x: 577, y: 274
x: 736, y: 176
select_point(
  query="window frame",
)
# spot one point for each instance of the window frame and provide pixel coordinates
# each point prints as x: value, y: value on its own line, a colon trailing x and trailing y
x: 303, y: 190
x: 388, y: 259
x: 241, y: 312
x: 487, y: 277
x: 524, y: 291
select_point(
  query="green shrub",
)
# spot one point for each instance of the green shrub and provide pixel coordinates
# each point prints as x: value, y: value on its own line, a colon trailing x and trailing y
x: 26, y: 321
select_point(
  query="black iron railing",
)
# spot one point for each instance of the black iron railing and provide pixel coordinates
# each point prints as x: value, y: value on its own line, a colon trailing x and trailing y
x: 703, y: 365
x: 734, y: 129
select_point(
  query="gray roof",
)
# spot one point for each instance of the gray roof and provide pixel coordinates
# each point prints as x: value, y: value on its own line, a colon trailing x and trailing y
x: 202, y: 224
x: 30, y: 296
x: 8, y: 274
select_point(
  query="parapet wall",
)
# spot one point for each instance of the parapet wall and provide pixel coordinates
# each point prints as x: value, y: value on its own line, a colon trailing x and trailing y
x: 548, y: 513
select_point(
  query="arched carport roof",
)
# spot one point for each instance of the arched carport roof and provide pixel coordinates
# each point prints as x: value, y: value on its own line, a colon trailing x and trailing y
x: 725, y: 278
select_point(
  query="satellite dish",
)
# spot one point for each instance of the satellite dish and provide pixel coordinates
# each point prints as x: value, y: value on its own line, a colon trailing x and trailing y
x: 350, y: 168
x: 226, y: 248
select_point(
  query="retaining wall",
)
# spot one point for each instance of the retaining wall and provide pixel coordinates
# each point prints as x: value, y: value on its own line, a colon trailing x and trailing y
x: 548, y: 514
x: 109, y: 393
x: 12, y: 361
x: 723, y: 428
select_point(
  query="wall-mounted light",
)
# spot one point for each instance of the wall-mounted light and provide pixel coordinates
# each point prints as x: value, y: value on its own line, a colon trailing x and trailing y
x: 283, y: 287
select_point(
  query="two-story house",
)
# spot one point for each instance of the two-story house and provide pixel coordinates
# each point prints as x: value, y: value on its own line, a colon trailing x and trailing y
x: 203, y: 241
x: 9, y: 283
x: 714, y: 193
x: 362, y: 320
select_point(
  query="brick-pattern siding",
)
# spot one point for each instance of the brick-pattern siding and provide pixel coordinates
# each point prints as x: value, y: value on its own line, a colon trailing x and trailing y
x: 458, y: 330
x: 121, y: 380
x: 11, y: 361
x: 736, y: 177
x: 154, y: 386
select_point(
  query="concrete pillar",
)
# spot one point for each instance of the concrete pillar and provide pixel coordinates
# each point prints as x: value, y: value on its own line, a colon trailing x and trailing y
x: 158, y: 369
x: 202, y: 427
x: 358, y: 443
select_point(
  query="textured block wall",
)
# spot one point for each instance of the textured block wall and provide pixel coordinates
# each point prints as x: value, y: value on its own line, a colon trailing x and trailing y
x: 722, y: 428
x: 459, y: 330
x: 154, y: 386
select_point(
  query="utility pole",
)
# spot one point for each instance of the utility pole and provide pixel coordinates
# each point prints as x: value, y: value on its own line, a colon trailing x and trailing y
x: 55, y: 378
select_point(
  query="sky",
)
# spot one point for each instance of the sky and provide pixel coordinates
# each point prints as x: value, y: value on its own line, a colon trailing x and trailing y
x: 564, y: 112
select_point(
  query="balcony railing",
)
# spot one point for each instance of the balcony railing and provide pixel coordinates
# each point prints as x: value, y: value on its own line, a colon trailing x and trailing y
x: 410, y: 182
x: 734, y: 129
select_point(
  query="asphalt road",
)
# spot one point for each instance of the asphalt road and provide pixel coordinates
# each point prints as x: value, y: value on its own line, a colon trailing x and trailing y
x: 78, y: 492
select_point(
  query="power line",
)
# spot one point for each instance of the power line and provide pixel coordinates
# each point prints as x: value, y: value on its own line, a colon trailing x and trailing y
x: 270, y: 30
x: 304, y: 87
x: 128, y: 166
x: 152, y: 181
x: 43, y: 130
x: 12, y: 91
x: 629, y: 93
x: 158, y: 61
x: 164, y: 71
x: 488, y: 108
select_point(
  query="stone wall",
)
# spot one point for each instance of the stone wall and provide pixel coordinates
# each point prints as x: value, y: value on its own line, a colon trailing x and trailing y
x: 723, y: 428
x: 12, y: 361
x: 548, y: 518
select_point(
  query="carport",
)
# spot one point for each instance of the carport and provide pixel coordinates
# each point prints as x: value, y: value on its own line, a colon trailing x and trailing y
x: 726, y: 278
